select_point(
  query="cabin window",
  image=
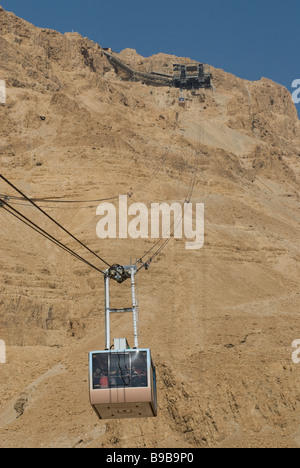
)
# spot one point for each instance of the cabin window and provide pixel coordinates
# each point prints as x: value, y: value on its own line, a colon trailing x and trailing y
x: 120, y: 370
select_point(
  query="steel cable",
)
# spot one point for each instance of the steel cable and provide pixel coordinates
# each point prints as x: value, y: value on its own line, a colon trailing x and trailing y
x: 21, y: 217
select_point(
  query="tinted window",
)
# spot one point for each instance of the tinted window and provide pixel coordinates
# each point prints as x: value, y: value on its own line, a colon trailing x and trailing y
x: 120, y: 370
x: 139, y: 369
x: 100, y: 371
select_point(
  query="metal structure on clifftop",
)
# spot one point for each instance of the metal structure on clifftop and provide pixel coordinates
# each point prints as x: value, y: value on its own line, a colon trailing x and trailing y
x: 191, y: 76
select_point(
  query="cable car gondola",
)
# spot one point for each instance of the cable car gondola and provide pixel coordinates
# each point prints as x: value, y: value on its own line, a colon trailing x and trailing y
x: 123, y: 384
x: 181, y: 99
x: 122, y: 381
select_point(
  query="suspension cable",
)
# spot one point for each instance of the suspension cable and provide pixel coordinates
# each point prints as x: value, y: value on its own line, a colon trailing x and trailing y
x: 5, y: 205
x: 53, y: 220
x: 146, y: 264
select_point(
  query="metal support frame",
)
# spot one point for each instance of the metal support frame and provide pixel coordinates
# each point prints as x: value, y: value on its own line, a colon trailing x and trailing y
x: 134, y: 309
x: 132, y: 270
x: 107, y: 312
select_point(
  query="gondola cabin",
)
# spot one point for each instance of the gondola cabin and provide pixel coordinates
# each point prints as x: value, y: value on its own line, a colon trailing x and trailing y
x: 181, y: 99
x: 123, y: 384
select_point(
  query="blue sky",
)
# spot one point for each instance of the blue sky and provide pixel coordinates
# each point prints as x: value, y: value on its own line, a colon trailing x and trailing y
x: 250, y: 39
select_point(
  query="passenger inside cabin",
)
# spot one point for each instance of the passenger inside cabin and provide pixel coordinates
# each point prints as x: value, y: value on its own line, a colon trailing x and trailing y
x: 96, y: 378
x: 139, y: 374
x: 100, y: 374
x: 104, y: 381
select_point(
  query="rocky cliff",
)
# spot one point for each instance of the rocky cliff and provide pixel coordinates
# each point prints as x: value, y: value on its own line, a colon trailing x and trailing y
x: 221, y: 320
